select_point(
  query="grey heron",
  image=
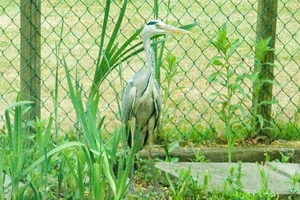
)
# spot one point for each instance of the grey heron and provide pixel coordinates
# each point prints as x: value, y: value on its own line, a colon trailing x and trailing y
x: 141, y: 102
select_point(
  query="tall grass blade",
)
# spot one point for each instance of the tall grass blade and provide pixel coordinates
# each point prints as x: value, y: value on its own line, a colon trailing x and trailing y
x: 78, y: 177
x: 15, y: 140
x: 91, y: 133
x: 102, y: 68
x: 2, y: 175
x: 115, y: 53
x: 41, y: 159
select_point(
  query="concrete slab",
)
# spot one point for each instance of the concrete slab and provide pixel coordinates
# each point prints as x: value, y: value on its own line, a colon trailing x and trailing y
x: 251, y: 179
x: 286, y: 169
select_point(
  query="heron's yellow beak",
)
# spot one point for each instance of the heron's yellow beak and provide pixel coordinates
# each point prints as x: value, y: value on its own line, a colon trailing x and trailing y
x: 172, y: 29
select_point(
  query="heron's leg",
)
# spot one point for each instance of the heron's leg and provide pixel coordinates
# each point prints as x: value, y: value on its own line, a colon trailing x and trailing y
x: 150, y: 159
x: 132, y: 129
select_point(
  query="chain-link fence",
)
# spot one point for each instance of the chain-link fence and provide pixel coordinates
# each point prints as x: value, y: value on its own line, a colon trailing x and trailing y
x: 75, y: 27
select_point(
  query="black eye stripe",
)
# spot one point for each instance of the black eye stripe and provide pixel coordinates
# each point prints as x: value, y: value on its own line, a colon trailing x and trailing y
x: 152, y: 22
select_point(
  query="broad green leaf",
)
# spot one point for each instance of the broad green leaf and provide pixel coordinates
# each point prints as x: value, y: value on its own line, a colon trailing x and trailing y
x: 260, y: 120
x: 213, y: 60
x: 189, y: 26
x: 214, y: 76
x: 17, y: 104
x: 271, y: 64
x: 214, y: 96
x: 218, y: 63
x: 48, y: 154
x: 270, y: 81
x: 173, y: 146
x: 171, y: 61
x: 237, y: 87
x: 254, y: 76
x: 234, y: 45
x: 268, y: 102
x: 241, y: 108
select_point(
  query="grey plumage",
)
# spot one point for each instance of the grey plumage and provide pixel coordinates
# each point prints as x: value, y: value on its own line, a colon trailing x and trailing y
x: 141, y: 107
x: 141, y: 102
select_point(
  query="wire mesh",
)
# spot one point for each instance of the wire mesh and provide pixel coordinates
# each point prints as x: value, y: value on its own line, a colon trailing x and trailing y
x: 76, y: 25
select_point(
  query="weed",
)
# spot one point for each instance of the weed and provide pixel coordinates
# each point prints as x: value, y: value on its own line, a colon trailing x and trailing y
x: 171, y: 70
x: 268, y: 159
x: 188, y: 187
x: 199, y: 157
x: 233, y: 181
x: 232, y: 114
x: 16, y: 139
x: 168, y: 149
x: 284, y: 158
x: 286, y: 130
x: 258, y: 121
x: 264, y: 192
x: 295, y: 185
x: 231, y: 76
x: 100, y: 156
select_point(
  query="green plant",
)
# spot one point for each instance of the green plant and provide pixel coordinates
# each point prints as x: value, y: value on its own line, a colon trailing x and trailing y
x: 199, y: 157
x: 231, y: 75
x: 234, y: 179
x: 16, y: 136
x: 44, y: 143
x: 268, y: 159
x: 168, y: 149
x: 284, y: 158
x: 286, y: 129
x: 295, y: 184
x: 109, y: 57
x: 114, y: 53
x: 100, y: 156
x: 264, y: 192
x: 231, y: 113
x: 25, y: 164
x: 188, y: 187
x: 258, y: 121
x: 2, y: 175
x: 171, y: 70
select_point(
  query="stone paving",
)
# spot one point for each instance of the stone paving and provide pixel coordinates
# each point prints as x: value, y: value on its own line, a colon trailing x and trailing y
x: 278, y: 174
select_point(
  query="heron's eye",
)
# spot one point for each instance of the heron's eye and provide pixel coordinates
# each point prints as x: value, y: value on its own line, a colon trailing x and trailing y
x: 157, y: 25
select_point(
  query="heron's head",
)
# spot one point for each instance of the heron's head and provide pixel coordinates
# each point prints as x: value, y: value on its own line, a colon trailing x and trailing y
x: 158, y: 27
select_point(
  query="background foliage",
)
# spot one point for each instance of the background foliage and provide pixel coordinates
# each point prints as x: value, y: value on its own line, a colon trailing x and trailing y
x: 190, y: 109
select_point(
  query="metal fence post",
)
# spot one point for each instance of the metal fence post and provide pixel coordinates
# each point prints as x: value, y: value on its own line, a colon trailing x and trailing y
x: 30, y: 54
x: 266, y: 27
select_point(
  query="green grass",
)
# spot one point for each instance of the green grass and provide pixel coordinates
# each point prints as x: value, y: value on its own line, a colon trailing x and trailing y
x: 80, y: 166
x: 61, y: 168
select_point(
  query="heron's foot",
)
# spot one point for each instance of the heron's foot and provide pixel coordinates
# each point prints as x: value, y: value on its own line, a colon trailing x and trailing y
x: 132, y: 193
x: 145, y: 193
x: 156, y: 189
x: 130, y: 189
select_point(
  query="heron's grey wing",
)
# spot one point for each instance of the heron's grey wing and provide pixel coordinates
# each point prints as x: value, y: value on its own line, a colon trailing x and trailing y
x: 140, y: 81
x: 128, y: 101
x: 133, y: 88
x: 158, y: 100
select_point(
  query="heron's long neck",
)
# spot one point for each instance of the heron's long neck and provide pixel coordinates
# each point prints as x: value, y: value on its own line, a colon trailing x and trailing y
x: 150, y: 56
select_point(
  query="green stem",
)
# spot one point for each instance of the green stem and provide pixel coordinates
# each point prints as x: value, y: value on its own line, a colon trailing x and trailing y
x: 228, y: 113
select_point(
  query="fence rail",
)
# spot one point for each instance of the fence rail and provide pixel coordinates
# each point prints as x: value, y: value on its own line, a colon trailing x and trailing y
x: 72, y: 29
